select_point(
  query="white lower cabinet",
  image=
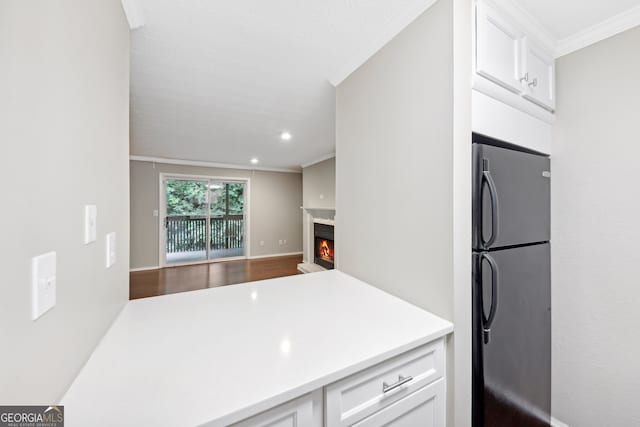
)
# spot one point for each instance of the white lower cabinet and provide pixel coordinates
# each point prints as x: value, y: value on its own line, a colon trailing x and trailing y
x: 305, y: 411
x: 425, y: 407
x: 407, y: 390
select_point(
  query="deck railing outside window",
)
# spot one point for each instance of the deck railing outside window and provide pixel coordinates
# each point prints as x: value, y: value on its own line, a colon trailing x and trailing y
x: 187, y: 233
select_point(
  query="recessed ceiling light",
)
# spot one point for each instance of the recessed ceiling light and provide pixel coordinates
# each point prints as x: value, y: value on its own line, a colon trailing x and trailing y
x: 285, y: 136
x: 255, y: 161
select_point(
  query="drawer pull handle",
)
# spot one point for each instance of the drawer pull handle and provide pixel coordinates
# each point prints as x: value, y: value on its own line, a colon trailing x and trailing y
x: 401, y: 381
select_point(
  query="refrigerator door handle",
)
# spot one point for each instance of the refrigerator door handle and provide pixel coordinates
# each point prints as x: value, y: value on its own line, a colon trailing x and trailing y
x: 493, y: 195
x: 488, y: 320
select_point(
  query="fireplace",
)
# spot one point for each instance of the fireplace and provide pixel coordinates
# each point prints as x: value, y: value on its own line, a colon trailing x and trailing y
x: 323, y: 245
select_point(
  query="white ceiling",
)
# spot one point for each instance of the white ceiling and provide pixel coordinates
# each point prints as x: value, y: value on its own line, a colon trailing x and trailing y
x: 218, y: 81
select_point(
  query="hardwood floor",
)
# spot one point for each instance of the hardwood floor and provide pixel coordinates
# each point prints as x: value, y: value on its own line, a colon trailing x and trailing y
x: 171, y: 280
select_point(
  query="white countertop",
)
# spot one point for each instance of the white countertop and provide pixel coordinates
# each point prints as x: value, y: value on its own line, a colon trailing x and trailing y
x: 220, y: 355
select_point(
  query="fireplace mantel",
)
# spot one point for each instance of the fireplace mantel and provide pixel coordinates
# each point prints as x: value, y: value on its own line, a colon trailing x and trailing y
x: 324, y: 221
x: 325, y: 213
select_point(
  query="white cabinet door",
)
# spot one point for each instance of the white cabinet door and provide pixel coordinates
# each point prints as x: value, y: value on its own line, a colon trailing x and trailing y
x: 540, y: 76
x: 426, y: 408
x: 498, y: 49
x: 305, y: 411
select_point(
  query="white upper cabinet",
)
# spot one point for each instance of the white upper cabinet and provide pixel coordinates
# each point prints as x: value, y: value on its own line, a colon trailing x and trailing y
x: 539, y: 76
x: 506, y: 55
x: 498, y: 49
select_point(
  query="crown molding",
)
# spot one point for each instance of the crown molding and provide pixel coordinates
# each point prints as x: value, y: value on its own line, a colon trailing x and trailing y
x: 181, y: 162
x: 392, y: 30
x: 318, y: 160
x: 594, y: 34
x: 605, y: 29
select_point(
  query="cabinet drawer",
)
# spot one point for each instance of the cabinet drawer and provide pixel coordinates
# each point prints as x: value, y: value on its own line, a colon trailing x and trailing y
x: 362, y: 394
x: 426, y: 408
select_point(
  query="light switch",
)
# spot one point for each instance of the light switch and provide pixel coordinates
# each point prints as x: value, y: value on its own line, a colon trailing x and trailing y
x: 111, y: 249
x: 43, y: 284
x: 155, y: 212
x: 90, y: 216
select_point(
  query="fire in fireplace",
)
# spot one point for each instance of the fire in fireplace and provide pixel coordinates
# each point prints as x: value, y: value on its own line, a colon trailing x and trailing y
x: 323, y: 248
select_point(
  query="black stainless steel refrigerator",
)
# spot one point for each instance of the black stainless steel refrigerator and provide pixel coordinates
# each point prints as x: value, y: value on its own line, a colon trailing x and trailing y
x: 511, y: 286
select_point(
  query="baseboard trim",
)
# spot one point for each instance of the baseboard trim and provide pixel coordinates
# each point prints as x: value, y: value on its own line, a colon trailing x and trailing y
x: 275, y: 255
x: 557, y: 423
x: 156, y: 267
x: 133, y: 270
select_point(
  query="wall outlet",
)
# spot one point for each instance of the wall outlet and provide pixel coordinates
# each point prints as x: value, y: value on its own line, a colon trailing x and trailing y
x: 43, y: 284
x: 155, y: 212
x: 111, y: 249
x: 261, y: 242
x: 90, y: 223
x: 284, y: 241
x: 279, y: 242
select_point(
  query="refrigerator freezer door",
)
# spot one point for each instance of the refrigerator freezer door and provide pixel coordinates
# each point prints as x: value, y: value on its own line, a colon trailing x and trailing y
x: 512, y: 369
x: 511, y: 197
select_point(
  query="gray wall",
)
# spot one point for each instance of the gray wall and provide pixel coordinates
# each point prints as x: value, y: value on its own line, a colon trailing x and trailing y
x: 275, y: 200
x: 394, y: 171
x: 64, y: 126
x: 595, y: 212
x: 394, y: 165
x: 319, y: 185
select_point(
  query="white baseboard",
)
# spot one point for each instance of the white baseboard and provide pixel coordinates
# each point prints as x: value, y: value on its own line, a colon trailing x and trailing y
x: 155, y: 267
x: 557, y: 423
x: 275, y: 255
x: 133, y: 270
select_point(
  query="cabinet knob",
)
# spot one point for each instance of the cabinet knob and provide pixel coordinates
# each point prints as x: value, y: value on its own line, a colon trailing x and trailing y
x: 534, y: 83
